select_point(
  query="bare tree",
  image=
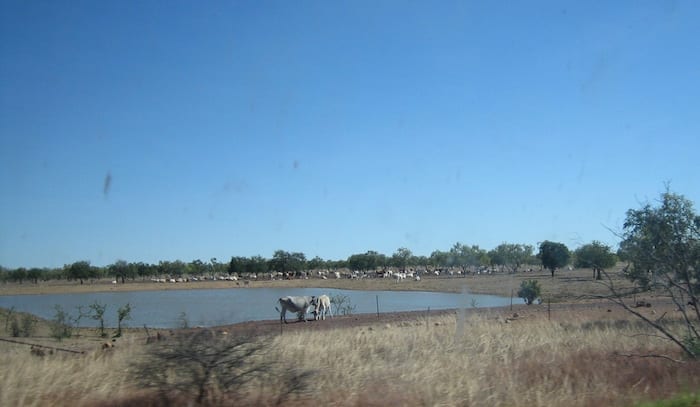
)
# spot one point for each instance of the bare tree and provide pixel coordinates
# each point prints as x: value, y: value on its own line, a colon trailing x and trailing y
x: 206, y: 367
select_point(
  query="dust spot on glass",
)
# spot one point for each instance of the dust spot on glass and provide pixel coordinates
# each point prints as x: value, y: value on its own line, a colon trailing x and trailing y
x: 295, y: 164
x: 107, y: 184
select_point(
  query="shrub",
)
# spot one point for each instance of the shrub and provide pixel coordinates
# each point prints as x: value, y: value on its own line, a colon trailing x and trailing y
x: 342, y: 303
x: 60, y: 326
x: 182, y: 321
x: 529, y: 291
x: 205, y: 367
x: 98, y: 314
x: 122, y: 314
x: 27, y: 325
x: 14, y: 327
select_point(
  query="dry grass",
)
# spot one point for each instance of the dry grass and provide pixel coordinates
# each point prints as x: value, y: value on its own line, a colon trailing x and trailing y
x: 535, y: 363
x: 483, y: 361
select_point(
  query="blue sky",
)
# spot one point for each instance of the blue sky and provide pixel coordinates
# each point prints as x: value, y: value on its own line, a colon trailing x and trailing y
x: 149, y: 131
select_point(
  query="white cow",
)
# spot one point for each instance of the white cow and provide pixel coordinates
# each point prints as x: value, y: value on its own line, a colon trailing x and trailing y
x: 299, y: 304
x: 323, y: 306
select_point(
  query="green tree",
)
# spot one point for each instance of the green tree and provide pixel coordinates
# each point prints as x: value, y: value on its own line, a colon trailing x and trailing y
x: 256, y: 265
x: 19, y: 275
x: 34, y: 274
x: 662, y: 245
x: 144, y: 270
x: 438, y: 258
x: 80, y: 270
x: 464, y: 256
x: 529, y: 291
x: 197, y: 268
x: 98, y: 314
x: 595, y: 256
x: 216, y: 267
x: 280, y: 261
x: 298, y: 261
x: 237, y: 265
x: 400, y: 259
x: 122, y: 314
x: 553, y: 255
x: 172, y: 269
x: 121, y: 270
x: 368, y: 261
x: 316, y: 263
x: 512, y: 256
x: 283, y: 261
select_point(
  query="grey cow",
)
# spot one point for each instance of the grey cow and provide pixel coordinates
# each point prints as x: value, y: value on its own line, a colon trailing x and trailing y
x: 299, y: 304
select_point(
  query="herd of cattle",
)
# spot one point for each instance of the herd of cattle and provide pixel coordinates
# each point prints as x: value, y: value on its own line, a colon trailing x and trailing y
x: 409, y: 274
x: 302, y: 305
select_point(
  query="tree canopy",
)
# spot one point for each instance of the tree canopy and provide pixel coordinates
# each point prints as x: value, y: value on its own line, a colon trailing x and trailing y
x: 553, y: 255
x: 511, y: 256
x: 595, y: 256
x: 662, y: 245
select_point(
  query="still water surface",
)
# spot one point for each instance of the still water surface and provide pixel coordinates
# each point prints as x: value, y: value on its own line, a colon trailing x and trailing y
x: 213, y: 307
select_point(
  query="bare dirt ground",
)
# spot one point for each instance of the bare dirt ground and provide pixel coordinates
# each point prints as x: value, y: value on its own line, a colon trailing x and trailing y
x: 594, y: 310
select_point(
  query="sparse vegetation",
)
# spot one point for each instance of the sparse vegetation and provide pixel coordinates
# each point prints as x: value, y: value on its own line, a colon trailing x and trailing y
x: 576, y: 359
x: 60, y: 325
x: 569, y: 361
x: 122, y: 314
x: 98, y: 314
x: 182, y: 321
x: 343, y: 305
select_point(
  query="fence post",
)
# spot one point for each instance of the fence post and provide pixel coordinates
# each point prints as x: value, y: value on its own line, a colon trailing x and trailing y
x: 377, y: 306
x: 511, y: 299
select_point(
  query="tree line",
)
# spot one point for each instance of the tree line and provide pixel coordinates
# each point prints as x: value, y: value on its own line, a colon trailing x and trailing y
x: 506, y: 257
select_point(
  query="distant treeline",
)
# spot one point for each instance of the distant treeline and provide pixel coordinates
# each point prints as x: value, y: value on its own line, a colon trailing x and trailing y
x: 506, y: 257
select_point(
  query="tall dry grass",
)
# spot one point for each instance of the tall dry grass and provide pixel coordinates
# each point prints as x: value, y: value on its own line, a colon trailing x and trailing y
x: 60, y: 378
x: 478, y: 362
x: 490, y: 363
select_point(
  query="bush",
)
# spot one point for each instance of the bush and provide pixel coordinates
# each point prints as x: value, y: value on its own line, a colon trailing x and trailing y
x: 27, y: 325
x: 343, y: 306
x: 14, y: 327
x: 529, y: 291
x: 60, y: 325
x: 206, y: 367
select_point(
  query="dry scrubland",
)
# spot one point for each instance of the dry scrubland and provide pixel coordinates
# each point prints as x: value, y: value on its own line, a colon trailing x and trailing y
x: 477, y: 358
x: 481, y: 361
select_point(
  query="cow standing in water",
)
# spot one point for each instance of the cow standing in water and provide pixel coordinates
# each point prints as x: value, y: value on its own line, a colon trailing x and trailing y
x: 299, y: 304
x: 323, y: 306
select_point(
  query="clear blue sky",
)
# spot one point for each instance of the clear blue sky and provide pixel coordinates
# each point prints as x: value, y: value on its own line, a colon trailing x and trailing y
x: 166, y: 130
